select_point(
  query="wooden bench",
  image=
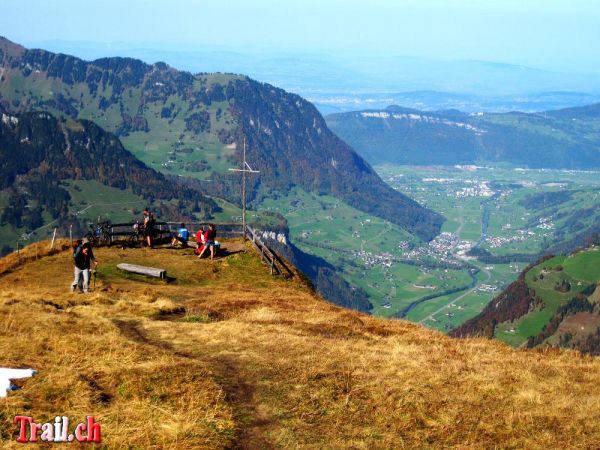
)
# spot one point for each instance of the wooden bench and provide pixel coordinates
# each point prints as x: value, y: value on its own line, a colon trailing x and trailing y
x: 143, y: 270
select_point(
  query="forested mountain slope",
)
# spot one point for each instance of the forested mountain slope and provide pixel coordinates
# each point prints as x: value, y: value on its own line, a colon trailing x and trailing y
x: 194, y: 125
x: 555, y: 302
x: 568, y: 138
x: 40, y: 152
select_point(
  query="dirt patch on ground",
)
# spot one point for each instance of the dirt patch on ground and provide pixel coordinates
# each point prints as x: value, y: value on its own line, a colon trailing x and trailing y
x: 228, y: 248
x: 239, y: 387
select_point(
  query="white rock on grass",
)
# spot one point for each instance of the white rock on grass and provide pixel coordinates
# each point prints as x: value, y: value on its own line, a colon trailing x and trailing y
x: 6, y: 375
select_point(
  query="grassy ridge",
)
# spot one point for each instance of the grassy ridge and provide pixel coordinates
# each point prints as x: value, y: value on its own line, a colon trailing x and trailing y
x: 584, y: 266
x: 268, y: 366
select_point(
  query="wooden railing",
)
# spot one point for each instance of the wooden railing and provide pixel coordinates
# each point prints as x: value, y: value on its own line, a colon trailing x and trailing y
x: 228, y: 230
x: 277, y: 265
x: 225, y: 230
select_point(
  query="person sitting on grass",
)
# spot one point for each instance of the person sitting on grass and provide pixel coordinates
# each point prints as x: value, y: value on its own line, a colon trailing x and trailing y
x: 200, y: 240
x: 210, y: 236
x: 182, y: 236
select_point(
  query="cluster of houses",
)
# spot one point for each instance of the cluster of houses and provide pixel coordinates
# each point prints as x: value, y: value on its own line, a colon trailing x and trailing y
x: 477, y: 189
x: 474, y: 188
x: 371, y: 260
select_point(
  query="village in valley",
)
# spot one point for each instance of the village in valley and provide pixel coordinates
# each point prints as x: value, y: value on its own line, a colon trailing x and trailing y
x: 500, y: 212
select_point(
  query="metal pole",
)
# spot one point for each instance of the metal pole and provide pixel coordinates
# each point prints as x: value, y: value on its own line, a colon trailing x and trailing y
x: 245, y: 168
x: 244, y: 194
x: 53, y: 239
x: 71, y: 233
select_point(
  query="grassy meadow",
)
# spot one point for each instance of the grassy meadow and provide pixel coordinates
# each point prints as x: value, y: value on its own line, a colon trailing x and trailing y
x: 228, y: 356
x: 580, y: 270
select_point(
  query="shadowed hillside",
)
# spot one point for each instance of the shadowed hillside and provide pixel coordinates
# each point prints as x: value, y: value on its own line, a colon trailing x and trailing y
x: 228, y: 356
x: 567, y: 138
x: 38, y: 147
x: 43, y: 157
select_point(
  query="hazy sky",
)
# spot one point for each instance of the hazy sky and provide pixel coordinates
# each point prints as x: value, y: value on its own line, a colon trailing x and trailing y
x: 555, y: 34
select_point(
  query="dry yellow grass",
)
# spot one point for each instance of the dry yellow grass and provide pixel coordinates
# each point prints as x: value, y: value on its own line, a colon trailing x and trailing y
x: 228, y: 356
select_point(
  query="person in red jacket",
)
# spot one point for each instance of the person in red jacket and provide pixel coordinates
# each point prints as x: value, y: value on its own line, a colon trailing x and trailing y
x: 200, y: 240
x: 209, y: 236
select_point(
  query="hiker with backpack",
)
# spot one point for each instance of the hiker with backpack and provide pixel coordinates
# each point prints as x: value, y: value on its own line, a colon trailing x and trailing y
x: 149, y: 223
x: 83, y: 258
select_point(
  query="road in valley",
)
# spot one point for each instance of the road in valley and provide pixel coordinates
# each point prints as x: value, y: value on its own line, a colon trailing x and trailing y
x: 458, y: 231
x: 453, y: 302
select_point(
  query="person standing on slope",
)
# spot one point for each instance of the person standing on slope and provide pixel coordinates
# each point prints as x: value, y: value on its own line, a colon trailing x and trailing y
x: 77, y: 282
x: 210, y: 236
x: 149, y: 227
x: 83, y: 257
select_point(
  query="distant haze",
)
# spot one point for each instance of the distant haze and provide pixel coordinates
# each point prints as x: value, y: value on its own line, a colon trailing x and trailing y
x: 327, y: 48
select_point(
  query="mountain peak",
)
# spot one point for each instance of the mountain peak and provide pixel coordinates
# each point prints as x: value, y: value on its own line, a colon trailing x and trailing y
x: 9, y: 48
